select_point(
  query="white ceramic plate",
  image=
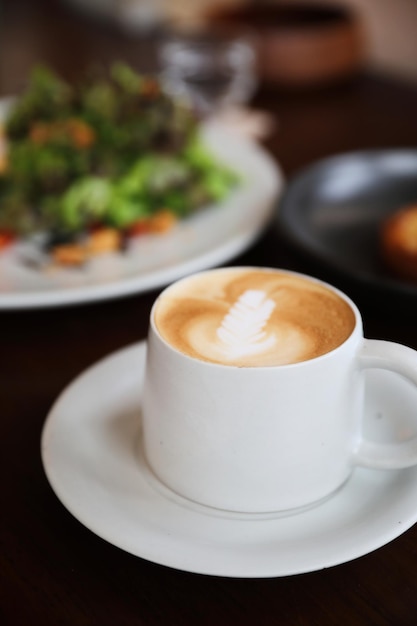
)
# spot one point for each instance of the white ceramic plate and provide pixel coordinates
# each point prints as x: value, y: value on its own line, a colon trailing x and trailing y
x: 91, y: 454
x: 208, y: 238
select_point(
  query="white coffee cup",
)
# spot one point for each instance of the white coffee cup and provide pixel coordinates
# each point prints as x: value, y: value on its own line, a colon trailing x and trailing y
x: 264, y: 439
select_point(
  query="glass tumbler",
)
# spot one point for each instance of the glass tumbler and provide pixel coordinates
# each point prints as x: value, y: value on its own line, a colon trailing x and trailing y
x: 209, y: 72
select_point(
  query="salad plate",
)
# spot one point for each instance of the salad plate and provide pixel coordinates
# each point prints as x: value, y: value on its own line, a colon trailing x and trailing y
x: 208, y: 238
x: 92, y: 457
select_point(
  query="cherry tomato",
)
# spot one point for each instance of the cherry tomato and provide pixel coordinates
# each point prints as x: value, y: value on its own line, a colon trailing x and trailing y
x: 6, y: 238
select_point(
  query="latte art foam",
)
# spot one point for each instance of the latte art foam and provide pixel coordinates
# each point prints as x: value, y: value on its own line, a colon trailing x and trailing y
x: 241, y: 330
x: 252, y: 317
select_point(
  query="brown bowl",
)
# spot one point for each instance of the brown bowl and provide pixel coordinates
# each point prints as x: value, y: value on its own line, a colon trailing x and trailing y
x: 298, y: 44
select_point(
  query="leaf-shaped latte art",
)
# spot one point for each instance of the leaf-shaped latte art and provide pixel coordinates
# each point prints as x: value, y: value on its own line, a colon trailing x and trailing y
x: 242, y: 329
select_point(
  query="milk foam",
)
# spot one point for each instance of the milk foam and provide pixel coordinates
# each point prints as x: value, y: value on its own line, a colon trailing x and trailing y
x: 252, y: 317
x: 241, y: 331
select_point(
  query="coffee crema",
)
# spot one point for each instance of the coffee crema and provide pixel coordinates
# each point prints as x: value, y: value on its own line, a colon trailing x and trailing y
x: 252, y: 317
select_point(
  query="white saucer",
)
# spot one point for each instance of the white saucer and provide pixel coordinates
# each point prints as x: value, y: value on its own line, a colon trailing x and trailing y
x: 90, y: 454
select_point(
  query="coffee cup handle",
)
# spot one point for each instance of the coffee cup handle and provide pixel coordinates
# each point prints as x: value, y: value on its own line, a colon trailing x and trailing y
x: 397, y: 358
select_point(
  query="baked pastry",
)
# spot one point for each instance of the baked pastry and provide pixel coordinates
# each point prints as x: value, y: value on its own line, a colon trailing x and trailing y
x: 398, y: 242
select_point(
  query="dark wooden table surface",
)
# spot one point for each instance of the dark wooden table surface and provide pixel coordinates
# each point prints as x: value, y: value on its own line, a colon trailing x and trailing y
x: 53, y: 570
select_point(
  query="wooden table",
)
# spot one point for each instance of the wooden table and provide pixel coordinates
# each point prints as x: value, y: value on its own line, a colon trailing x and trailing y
x: 53, y: 570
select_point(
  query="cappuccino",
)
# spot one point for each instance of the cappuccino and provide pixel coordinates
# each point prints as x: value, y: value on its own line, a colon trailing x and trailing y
x: 252, y: 317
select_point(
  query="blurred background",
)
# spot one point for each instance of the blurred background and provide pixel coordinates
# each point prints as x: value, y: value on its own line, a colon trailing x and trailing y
x: 391, y: 34
x: 98, y: 30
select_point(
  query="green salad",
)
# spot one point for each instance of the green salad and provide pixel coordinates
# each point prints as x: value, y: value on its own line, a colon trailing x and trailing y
x: 113, y: 152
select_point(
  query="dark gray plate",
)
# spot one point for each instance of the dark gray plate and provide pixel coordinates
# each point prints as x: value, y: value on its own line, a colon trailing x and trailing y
x: 333, y: 211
